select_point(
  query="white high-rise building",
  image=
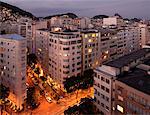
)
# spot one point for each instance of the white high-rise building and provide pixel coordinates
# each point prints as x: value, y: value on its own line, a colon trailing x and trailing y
x: 114, y: 20
x: 13, y: 66
x: 59, y: 53
x: 25, y: 29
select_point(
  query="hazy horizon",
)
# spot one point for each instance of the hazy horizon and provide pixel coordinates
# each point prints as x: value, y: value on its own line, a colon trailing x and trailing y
x: 89, y: 8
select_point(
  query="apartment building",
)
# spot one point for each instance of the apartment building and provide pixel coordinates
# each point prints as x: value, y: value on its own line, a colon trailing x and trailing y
x: 90, y: 49
x: 132, y: 92
x: 114, y: 20
x: 25, y: 29
x: 97, y: 46
x: 85, y: 22
x: 106, y: 75
x: 59, y: 53
x: 13, y: 67
x: 97, y: 22
x: 41, y: 47
x: 144, y: 33
x: 118, y: 42
x: 61, y: 21
x: 64, y: 55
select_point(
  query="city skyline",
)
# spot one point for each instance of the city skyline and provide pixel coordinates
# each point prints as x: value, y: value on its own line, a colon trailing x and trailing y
x: 128, y: 8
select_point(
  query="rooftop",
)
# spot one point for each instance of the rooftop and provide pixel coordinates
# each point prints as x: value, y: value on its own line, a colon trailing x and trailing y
x: 138, y: 79
x: 44, y: 29
x: 107, y: 30
x: 125, y: 60
x: 87, y: 31
x: 66, y: 32
x: 12, y: 36
x: 147, y: 62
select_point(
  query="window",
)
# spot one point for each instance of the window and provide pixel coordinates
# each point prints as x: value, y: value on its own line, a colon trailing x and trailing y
x: 120, y: 108
x: 79, y: 68
x: 73, y: 70
x: 102, y: 78
x: 98, y: 102
x: 102, y: 104
x: 120, y: 98
x: 107, y: 90
x: 66, y: 48
x: 102, y: 87
x: 85, y: 36
x: 102, y: 96
x: 107, y: 99
x: 107, y: 81
x: 98, y: 76
x: 98, y: 93
x: 78, y: 57
x: 107, y: 108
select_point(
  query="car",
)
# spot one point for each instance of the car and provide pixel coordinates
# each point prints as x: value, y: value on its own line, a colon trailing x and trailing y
x: 35, y: 81
x: 46, y: 94
x: 49, y: 99
x: 60, y: 97
x: 7, y: 102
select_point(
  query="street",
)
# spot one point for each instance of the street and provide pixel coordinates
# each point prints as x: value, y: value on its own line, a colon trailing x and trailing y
x: 58, y: 109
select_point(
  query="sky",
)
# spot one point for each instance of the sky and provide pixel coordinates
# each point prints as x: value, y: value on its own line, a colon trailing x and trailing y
x: 89, y: 8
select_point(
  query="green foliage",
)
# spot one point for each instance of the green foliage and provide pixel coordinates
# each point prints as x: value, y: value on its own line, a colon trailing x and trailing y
x: 17, y: 10
x: 4, y: 92
x: 71, y: 15
x: 31, y: 58
x: 80, y: 82
x: 100, y: 16
x: 86, y: 107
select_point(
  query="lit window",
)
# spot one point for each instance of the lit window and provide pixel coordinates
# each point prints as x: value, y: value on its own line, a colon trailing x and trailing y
x: 105, y: 57
x: 66, y: 55
x: 85, y: 35
x: 119, y: 108
x: 40, y: 49
x: 97, y: 34
x: 4, y: 67
x: 90, y: 40
x: 96, y: 62
x: 90, y: 50
x: 93, y: 35
x: 106, y: 52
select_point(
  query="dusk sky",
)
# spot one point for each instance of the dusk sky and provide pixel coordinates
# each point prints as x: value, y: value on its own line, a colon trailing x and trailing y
x: 89, y: 8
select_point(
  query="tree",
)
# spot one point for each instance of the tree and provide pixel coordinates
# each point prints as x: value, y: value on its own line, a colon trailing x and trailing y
x: 85, y: 107
x: 100, y: 16
x: 31, y: 59
x: 116, y: 14
x: 30, y: 101
x: 37, y: 70
x: 80, y: 82
x: 4, y: 92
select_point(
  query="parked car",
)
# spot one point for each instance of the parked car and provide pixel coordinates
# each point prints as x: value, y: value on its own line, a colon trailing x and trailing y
x: 49, y: 99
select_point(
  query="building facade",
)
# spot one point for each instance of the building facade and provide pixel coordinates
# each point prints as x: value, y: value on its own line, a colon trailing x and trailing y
x: 106, y: 76
x: 90, y: 49
x: 13, y: 67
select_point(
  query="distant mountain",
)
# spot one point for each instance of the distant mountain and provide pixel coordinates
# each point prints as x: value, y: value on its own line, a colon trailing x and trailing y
x: 135, y: 20
x: 71, y: 15
x: 15, y: 10
x: 116, y: 14
x: 100, y: 16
